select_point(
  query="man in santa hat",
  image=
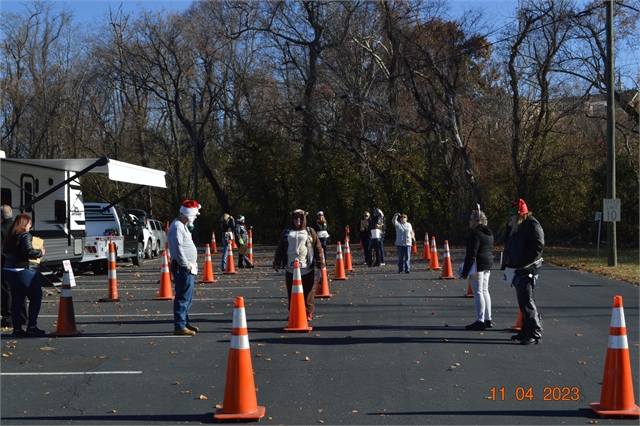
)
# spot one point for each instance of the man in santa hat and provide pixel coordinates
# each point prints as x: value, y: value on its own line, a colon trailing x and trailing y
x: 184, y: 266
x: 522, y: 262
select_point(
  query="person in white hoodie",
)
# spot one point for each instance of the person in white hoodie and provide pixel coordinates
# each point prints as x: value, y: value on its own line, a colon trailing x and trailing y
x: 403, y: 241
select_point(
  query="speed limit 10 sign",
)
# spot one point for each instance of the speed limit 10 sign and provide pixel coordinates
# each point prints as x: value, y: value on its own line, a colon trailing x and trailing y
x: 611, y: 210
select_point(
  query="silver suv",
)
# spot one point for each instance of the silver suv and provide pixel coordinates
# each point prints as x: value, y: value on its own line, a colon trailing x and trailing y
x: 158, y: 235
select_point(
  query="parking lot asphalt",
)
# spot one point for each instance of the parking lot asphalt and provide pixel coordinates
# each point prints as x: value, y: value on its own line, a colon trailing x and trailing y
x: 387, y: 348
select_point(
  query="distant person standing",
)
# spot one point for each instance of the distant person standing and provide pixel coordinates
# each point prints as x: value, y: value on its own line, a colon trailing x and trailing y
x: 322, y: 229
x: 7, y: 219
x: 522, y: 262
x: 404, y: 236
x: 365, y: 237
x: 376, y: 224
x: 300, y: 243
x: 21, y: 272
x: 184, y: 266
x: 228, y: 226
x: 242, y: 236
x: 479, y: 255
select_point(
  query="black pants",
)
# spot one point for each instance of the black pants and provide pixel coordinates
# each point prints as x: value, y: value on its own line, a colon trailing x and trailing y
x: 531, y: 326
x: 6, y: 306
x: 245, y: 258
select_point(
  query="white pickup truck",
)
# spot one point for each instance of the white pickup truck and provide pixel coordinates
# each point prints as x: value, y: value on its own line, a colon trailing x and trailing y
x: 105, y: 223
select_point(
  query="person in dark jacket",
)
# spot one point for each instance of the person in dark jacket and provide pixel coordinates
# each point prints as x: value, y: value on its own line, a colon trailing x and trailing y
x: 365, y: 238
x: 228, y: 227
x: 7, y: 219
x: 322, y: 229
x: 300, y: 243
x: 477, y: 267
x: 522, y: 262
x: 242, y: 236
x: 21, y: 271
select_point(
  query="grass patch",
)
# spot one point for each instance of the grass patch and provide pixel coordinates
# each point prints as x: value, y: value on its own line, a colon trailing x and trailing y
x: 585, y: 259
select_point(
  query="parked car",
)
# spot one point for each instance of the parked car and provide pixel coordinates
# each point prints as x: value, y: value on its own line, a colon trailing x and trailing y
x: 159, y: 236
x: 148, y: 238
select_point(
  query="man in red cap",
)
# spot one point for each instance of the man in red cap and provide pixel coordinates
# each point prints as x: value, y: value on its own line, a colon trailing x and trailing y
x: 184, y: 266
x: 522, y: 261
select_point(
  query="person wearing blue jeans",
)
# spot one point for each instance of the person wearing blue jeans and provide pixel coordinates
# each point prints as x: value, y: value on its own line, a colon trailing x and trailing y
x: 21, y: 272
x: 403, y: 241
x: 184, y: 266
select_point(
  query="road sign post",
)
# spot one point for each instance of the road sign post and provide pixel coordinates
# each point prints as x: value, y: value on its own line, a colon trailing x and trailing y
x: 599, y: 220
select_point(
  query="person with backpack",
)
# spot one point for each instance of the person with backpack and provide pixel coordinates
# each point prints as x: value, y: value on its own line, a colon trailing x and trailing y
x: 300, y: 243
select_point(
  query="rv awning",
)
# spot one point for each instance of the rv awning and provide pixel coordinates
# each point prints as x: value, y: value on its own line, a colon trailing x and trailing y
x: 117, y: 170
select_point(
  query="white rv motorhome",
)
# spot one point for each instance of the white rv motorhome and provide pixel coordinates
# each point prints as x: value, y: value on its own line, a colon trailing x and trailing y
x: 49, y: 191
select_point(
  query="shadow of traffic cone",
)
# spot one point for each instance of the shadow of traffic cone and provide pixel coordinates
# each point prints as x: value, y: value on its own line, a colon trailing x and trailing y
x: 339, y: 272
x: 616, y: 398
x: 348, y: 266
x: 469, y: 289
x: 66, y: 326
x: 297, y: 308
x: 207, y: 271
x: 427, y: 249
x: 240, y: 401
x: 322, y: 286
x: 165, y: 293
x: 113, y: 281
x: 414, y: 246
x: 433, y: 261
x: 250, y: 246
x: 447, y: 268
x: 518, y: 325
x: 230, y: 268
x: 214, y: 246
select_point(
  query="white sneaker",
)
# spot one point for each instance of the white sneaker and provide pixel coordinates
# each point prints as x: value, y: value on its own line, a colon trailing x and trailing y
x: 382, y: 264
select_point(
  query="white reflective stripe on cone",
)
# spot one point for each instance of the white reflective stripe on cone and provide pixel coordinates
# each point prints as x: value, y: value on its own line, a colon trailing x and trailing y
x: 618, y: 342
x: 297, y: 288
x: 239, y: 319
x: 617, y: 318
x: 112, y: 273
x: 240, y: 342
x: 65, y: 292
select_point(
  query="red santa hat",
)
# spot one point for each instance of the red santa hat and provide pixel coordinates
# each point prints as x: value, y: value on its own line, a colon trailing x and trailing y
x: 519, y: 207
x: 190, y: 208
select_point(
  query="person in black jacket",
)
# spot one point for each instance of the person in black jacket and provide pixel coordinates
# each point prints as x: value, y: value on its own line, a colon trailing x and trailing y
x: 22, y: 274
x: 522, y: 261
x: 477, y: 266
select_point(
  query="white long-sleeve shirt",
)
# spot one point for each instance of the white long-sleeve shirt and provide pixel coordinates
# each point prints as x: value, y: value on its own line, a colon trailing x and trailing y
x: 403, y: 232
x: 181, y: 245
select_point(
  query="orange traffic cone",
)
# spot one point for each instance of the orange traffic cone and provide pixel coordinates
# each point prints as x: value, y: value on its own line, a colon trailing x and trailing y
x: 339, y: 272
x: 233, y: 243
x: 165, y: 292
x: 207, y: 271
x: 297, y: 307
x: 66, y: 326
x: 616, y: 398
x: 240, y: 401
x: 214, y: 246
x: 518, y: 325
x: 433, y: 261
x: 113, y: 281
x: 348, y: 266
x: 166, y: 250
x: 322, y: 286
x: 414, y: 246
x: 230, y: 269
x: 250, y: 246
x: 447, y: 269
x: 426, y: 254
x: 166, y: 229
x: 469, y: 289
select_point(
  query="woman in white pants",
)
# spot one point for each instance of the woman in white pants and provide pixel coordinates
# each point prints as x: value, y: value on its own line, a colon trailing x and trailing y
x: 477, y: 267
